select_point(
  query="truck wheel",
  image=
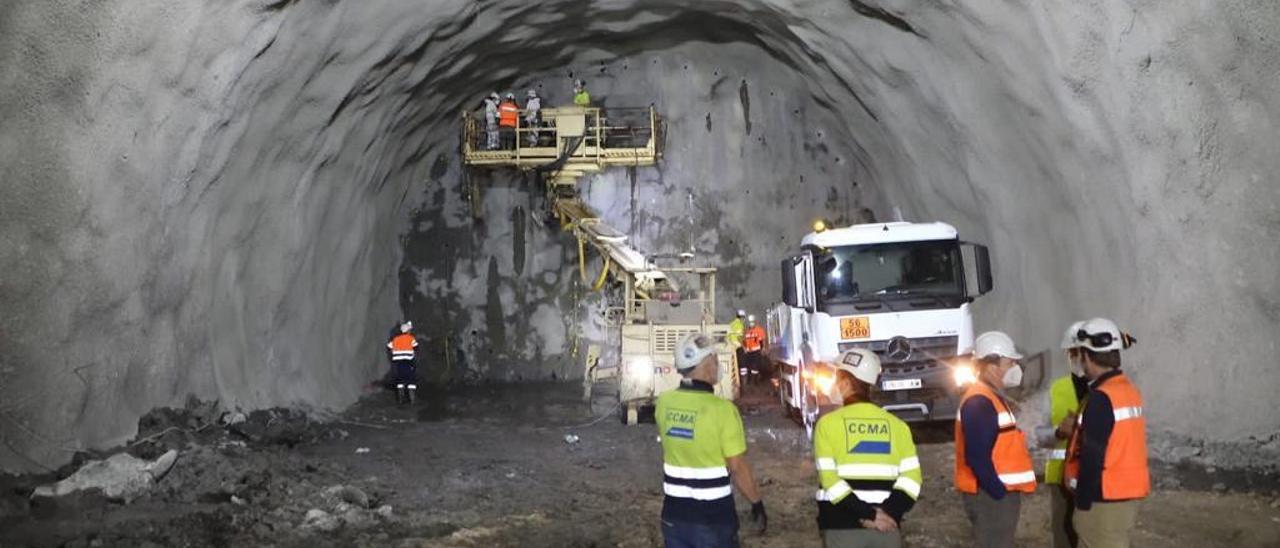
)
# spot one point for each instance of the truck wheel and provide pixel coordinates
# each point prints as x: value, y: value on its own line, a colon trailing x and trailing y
x: 630, y: 414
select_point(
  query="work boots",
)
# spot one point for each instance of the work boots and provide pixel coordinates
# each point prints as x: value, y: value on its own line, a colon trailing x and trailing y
x: 402, y: 395
x: 413, y: 394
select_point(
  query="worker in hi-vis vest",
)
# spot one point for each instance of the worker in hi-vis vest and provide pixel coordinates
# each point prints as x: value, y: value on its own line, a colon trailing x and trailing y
x: 1106, y: 466
x: 993, y: 466
x: 753, y: 349
x: 868, y: 472
x: 704, y: 450
x: 403, y: 367
x: 1065, y: 395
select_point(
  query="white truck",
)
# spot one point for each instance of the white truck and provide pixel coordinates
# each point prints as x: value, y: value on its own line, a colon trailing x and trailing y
x: 902, y: 290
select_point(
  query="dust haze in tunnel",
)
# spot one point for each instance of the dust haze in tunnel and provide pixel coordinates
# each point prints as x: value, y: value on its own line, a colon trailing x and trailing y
x: 235, y: 200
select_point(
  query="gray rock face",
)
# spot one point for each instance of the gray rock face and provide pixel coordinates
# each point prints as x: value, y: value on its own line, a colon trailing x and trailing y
x: 235, y: 200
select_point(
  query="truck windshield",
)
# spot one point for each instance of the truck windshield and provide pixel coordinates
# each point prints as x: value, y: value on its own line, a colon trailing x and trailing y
x: 858, y: 273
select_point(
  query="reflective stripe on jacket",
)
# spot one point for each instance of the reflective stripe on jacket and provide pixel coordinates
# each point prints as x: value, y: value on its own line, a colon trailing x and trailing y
x: 699, y: 430
x: 1010, y: 456
x: 508, y: 114
x: 753, y: 339
x: 863, y: 451
x: 1063, y: 401
x: 1125, y: 475
x: 402, y: 347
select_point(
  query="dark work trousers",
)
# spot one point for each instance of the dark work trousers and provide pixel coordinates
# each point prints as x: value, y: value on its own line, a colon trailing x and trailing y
x: 508, y: 136
x: 994, y: 521
x: 406, y: 373
x: 694, y: 535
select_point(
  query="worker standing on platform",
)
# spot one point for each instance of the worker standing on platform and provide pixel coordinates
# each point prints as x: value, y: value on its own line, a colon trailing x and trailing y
x: 581, y: 97
x: 993, y: 466
x: 868, y: 472
x: 508, y: 121
x: 1065, y: 395
x: 1107, y: 455
x: 533, y: 116
x: 704, y: 451
x: 491, y: 121
x: 403, y: 351
x: 753, y: 346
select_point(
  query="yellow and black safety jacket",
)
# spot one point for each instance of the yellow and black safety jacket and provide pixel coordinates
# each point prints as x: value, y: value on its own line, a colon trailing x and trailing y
x: 865, y: 458
x: 699, y: 432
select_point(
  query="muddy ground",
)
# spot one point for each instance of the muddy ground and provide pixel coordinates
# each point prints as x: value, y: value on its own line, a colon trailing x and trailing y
x: 491, y: 467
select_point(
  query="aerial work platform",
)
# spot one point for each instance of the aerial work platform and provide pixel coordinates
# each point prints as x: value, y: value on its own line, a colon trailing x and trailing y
x: 570, y: 141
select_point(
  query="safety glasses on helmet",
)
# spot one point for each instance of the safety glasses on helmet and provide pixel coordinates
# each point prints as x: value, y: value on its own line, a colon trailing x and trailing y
x: 1104, y: 339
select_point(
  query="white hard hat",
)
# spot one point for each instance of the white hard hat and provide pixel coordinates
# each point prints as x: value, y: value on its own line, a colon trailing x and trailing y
x: 1103, y: 335
x: 579, y: 84
x: 511, y: 95
x: 406, y: 326
x: 693, y: 348
x: 863, y: 364
x: 751, y: 317
x: 742, y: 313
x: 1069, y: 339
x: 997, y: 343
x: 493, y: 95
x: 532, y: 93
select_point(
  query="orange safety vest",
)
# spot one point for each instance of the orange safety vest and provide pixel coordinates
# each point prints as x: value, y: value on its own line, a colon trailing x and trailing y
x: 1010, y: 455
x: 402, y: 347
x: 1124, y: 468
x: 753, y: 339
x: 508, y: 114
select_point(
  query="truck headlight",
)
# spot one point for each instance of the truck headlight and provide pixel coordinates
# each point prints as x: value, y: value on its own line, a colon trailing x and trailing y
x: 964, y: 374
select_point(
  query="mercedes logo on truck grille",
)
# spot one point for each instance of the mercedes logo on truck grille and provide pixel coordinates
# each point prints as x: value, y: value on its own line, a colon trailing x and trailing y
x: 899, y: 349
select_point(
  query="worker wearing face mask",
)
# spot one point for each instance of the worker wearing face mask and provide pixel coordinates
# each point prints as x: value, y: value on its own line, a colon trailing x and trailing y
x: 1065, y: 395
x: 1106, y: 464
x: 993, y: 466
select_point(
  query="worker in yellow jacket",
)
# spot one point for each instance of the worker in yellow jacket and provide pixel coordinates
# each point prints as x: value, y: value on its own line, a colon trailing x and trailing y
x: 868, y: 473
x: 1065, y: 395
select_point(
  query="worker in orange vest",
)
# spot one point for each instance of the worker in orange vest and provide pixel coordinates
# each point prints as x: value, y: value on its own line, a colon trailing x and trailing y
x: 993, y: 466
x: 403, y: 367
x: 508, y: 120
x: 753, y: 349
x: 1107, y: 455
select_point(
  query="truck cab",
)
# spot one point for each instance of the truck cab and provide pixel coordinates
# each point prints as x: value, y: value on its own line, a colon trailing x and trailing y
x: 902, y: 290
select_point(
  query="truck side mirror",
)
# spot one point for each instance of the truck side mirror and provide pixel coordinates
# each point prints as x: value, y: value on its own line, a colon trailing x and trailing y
x: 789, y: 293
x: 977, y: 269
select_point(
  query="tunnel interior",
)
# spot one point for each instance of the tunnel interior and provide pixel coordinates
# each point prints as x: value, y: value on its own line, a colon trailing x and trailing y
x: 235, y: 201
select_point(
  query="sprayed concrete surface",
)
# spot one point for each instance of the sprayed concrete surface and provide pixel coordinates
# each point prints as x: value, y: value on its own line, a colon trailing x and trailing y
x: 234, y: 200
x: 490, y: 467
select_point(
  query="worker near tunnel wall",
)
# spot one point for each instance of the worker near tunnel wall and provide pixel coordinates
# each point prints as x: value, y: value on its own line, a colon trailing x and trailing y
x: 1107, y: 455
x: 581, y: 97
x: 1065, y: 394
x: 868, y: 473
x: 738, y: 328
x: 703, y: 452
x: 993, y: 466
x: 491, y: 121
x: 403, y: 363
x: 533, y: 115
x: 753, y: 347
x: 508, y: 121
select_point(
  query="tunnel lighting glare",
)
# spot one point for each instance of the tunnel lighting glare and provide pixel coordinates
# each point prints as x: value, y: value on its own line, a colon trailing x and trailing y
x: 639, y: 366
x: 964, y: 375
x: 823, y: 380
x: 819, y: 225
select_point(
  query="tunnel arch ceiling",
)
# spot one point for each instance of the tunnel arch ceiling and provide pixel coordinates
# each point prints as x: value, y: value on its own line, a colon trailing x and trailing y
x: 1105, y: 151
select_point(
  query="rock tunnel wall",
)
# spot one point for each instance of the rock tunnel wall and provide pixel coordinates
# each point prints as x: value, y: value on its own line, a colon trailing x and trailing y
x: 235, y: 200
